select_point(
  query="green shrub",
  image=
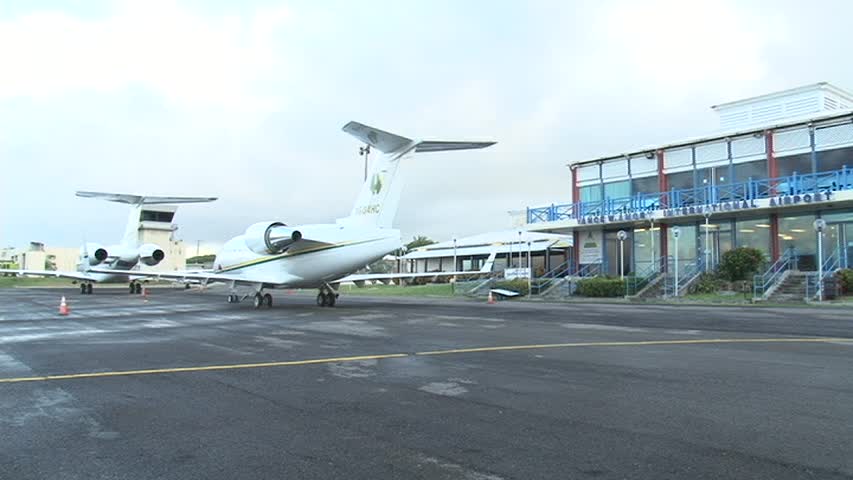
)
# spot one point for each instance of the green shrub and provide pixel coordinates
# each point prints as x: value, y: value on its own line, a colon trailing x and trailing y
x: 708, y: 283
x: 845, y: 279
x: 518, y: 285
x: 601, y: 287
x: 741, y: 263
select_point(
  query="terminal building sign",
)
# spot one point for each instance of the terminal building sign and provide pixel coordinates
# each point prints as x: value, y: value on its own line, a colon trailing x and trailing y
x: 720, y: 207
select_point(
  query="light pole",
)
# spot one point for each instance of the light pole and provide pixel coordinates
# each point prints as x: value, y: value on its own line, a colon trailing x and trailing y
x: 819, y: 226
x: 622, y: 235
x: 455, y: 267
x: 652, y: 236
x: 365, y: 152
x: 707, y: 236
x: 529, y: 270
x: 520, y: 245
x: 676, y: 232
x: 509, y: 260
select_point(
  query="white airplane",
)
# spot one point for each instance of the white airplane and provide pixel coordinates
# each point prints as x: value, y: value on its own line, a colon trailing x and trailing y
x: 272, y: 255
x: 113, y: 264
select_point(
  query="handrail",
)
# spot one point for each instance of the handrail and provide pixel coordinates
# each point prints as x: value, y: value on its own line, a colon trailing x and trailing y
x: 588, y: 270
x: 560, y: 270
x: 690, y: 270
x: 638, y: 281
x: 761, y: 283
x: 830, y: 265
x: 795, y: 184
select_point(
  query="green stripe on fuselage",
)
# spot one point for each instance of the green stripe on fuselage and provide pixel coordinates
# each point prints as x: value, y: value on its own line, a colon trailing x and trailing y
x: 272, y: 258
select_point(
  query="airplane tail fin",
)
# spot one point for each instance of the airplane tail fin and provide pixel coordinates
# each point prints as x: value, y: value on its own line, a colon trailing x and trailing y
x: 379, y: 196
x: 137, y: 210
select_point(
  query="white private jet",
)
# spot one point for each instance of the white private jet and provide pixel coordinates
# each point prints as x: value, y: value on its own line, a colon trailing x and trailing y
x: 272, y: 255
x: 113, y: 264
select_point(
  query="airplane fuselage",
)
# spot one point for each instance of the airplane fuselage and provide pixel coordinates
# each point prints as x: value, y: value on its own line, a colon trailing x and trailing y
x: 120, y: 258
x: 338, y: 250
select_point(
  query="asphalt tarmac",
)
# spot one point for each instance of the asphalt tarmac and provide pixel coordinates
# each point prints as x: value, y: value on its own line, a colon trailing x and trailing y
x: 186, y: 386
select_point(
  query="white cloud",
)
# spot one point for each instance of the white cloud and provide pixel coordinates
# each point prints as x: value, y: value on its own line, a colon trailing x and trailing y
x: 190, y: 58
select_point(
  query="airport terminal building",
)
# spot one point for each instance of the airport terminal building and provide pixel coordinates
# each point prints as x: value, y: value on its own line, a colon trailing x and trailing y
x: 781, y: 161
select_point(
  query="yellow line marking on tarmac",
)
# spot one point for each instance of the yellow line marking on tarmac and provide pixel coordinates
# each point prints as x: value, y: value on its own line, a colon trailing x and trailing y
x: 239, y: 366
x: 154, y: 371
x: 632, y: 344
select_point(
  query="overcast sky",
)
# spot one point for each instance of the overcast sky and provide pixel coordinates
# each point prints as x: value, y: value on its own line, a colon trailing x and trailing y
x: 245, y: 100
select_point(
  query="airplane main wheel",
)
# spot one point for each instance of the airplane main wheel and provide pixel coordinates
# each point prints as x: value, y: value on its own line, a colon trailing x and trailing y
x: 138, y: 288
x: 321, y: 300
x: 330, y: 299
x: 83, y: 288
x: 88, y: 289
x: 259, y: 300
x: 268, y: 300
x: 132, y: 288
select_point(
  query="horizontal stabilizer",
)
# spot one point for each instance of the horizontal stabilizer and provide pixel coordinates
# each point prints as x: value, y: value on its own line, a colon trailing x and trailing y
x: 440, y: 146
x: 383, y: 141
x: 142, y: 200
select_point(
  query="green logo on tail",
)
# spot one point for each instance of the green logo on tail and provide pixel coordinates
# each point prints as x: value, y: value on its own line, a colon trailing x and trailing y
x: 376, y: 183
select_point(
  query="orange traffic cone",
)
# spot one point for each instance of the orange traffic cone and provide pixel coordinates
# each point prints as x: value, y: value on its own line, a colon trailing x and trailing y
x: 491, y: 298
x: 63, y: 307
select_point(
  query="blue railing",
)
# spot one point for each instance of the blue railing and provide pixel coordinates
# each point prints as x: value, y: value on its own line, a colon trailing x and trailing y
x: 771, y: 276
x: 795, y: 184
x: 635, y: 283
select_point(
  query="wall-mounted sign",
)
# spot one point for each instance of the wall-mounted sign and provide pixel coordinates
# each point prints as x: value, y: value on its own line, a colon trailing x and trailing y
x: 713, y: 208
x: 590, y: 248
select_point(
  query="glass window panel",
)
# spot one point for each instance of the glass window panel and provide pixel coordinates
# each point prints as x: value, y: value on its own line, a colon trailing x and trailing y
x: 754, y: 233
x: 756, y: 170
x: 617, y: 189
x: 687, y: 246
x: 798, y: 233
x: 834, y: 217
x: 612, y: 249
x: 591, y: 193
x: 644, y: 240
x: 829, y: 160
x: 801, y: 164
x: 680, y: 180
x: 645, y: 185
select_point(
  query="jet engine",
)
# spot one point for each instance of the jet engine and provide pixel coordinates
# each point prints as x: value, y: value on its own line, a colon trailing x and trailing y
x: 270, y: 238
x: 150, y: 254
x: 97, y: 254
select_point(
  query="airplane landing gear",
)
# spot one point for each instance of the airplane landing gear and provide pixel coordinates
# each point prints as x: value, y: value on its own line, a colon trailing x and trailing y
x: 262, y: 299
x: 135, y: 288
x: 233, y: 299
x: 86, y: 288
x: 327, y: 297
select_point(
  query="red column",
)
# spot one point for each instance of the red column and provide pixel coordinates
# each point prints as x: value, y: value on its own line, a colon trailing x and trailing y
x: 576, y: 252
x: 774, y: 236
x: 575, y: 189
x: 662, y: 185
x: 772, y: 172
x: 772, y: 166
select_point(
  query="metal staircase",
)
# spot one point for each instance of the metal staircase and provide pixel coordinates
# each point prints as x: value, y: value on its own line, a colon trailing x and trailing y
x: 675, y: 286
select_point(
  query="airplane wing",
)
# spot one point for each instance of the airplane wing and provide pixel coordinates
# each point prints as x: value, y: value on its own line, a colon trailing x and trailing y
x: 360, y: 278
x: 49, y: 274
x: 204, y: 277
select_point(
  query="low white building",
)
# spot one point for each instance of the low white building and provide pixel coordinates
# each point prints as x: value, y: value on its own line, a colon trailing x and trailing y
x: 546, y: 251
